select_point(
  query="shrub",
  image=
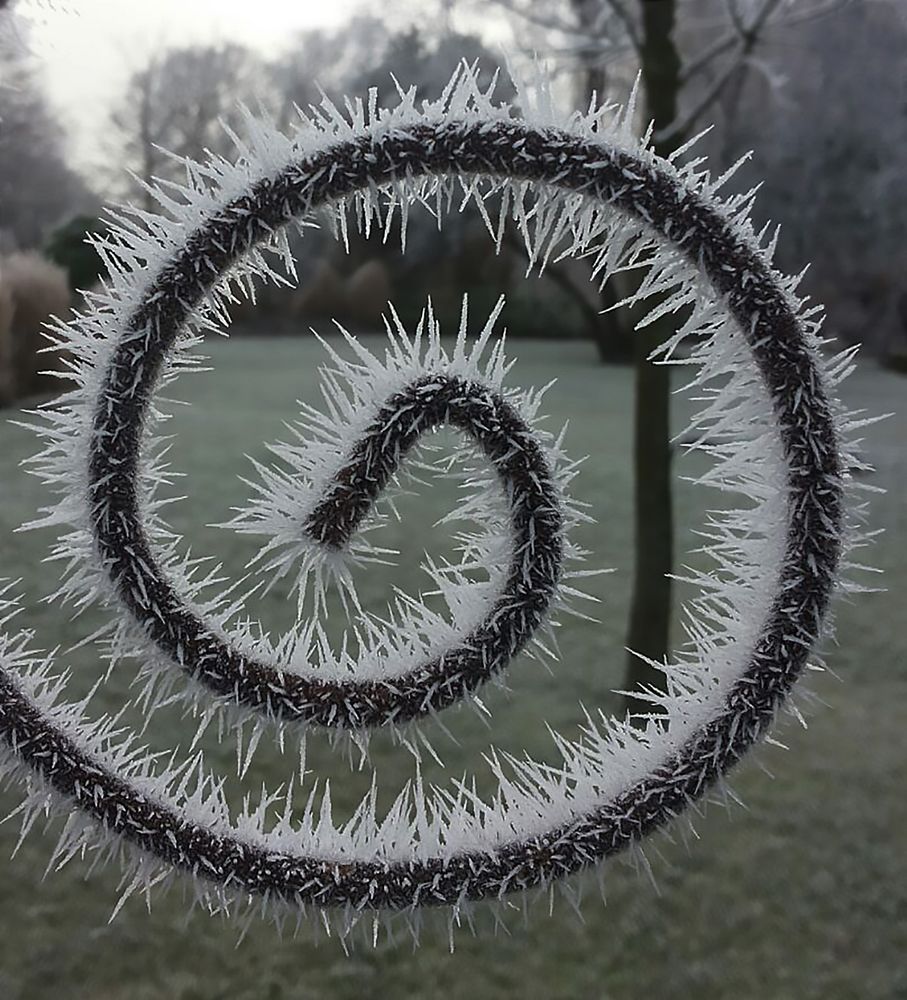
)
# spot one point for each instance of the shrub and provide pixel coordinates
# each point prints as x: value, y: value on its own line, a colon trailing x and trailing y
x: 68, y: 248
x: 38, y: 290
x: 368, y: 290
x: 323, y: 294
x: 896, y: 362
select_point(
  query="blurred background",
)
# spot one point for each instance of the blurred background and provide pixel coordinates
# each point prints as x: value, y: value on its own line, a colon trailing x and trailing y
x: 801, y: 890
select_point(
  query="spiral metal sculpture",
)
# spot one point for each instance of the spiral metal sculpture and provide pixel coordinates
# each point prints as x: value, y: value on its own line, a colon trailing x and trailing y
x: 770, y: 424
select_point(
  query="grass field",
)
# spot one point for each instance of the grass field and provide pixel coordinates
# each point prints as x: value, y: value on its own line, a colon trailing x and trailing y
x: 801, y: 894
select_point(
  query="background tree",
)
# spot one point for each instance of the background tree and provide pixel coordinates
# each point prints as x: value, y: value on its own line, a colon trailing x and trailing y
x: 177, y: 102
x: 687, y: 55
x: 324, y: 61
x: 69, y: 248
x: 440, y: 263
x: 840, y: 160
x: 38, y: 189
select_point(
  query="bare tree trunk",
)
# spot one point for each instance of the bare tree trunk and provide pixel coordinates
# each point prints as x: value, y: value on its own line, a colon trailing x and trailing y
x: 146, y: 139
x: 650, y: 609
x: 613, y: 339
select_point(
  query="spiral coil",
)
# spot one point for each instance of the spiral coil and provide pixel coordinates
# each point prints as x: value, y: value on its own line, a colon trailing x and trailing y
x: 769, y: 424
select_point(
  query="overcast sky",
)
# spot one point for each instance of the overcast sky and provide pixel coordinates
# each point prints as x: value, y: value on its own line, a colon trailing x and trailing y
x: 87, y: 48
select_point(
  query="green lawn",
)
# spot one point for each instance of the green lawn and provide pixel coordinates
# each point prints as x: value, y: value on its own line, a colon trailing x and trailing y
x: 802, y: 894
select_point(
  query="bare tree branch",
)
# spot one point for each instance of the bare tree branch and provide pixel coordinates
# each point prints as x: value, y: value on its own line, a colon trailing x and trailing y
x: 592, y: 33
x: 737, y: 37
x: 684, y: 125
x: 620, y: 9
x: 532, y: 16
x: 705, y: 58
x: 813, y: 14
x: 585, y: 51
x: 745, y: 43
x: 736, y: 20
